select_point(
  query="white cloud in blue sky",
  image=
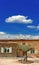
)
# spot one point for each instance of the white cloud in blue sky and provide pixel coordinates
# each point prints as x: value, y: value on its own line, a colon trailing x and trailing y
x: 32, y: 27
x: 3, y: 35
x: 19, y: 19
x: 38, y: 27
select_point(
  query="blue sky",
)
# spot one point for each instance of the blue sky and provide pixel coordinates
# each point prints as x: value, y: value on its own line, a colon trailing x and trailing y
x: 22, y: 8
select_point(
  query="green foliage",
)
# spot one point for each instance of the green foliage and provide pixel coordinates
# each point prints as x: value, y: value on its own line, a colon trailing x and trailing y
x: 25, y: 47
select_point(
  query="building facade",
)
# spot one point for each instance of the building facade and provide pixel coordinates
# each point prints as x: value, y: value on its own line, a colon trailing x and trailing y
x: 8, y: 47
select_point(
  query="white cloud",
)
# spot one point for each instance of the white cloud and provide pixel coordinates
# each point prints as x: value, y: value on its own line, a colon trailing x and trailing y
x: 19, y: 19
x: 18, y: 36
x: 38, y: 27
x: 31, y: 26
x: 2, y: 33
x: 35, y: 37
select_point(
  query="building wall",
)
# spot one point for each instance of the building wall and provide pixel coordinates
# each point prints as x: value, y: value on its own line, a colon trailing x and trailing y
x: 13, y: 43
x: 8, y: 54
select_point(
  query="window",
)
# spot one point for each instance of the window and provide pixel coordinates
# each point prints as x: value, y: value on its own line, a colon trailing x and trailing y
x: 6, y: 50
x: 32, y: 51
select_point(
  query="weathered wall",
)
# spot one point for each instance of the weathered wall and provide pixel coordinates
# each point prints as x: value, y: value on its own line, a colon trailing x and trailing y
x: 8, y: 54
x: 12, y: 43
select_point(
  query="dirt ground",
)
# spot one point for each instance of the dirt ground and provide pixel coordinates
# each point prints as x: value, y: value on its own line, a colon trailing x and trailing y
x: 14, y: 61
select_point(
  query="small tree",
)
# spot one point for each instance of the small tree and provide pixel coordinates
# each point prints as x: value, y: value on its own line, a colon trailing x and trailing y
x: 25, y: 49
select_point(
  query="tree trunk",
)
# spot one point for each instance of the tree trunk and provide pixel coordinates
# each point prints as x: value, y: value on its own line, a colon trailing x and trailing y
x: 26, y: 56
x: 25, y: 59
